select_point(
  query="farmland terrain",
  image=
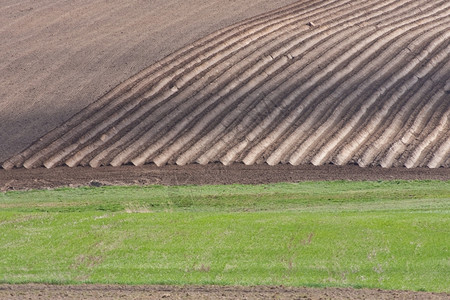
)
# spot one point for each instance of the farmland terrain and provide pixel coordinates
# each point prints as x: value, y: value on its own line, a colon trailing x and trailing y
x: 41, y: 178
x: 58, y: 56
x: 94, y: 292
x: 390, y: 235
x: 314, y: 82
x: 187, y: 92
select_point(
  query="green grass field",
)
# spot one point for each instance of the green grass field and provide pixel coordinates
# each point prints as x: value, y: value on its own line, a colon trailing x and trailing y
x: 386, y: 234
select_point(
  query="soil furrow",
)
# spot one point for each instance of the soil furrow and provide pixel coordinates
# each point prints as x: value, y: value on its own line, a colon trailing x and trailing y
x: 250, y: 115
x: 339, y: 81
x: 288, y: 122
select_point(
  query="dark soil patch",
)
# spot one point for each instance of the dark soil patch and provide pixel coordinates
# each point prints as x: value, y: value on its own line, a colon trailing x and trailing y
x: 41, y: 178
x: 43, y: 291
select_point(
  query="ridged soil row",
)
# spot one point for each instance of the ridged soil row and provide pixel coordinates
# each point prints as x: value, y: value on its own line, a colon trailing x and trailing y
x: 395, y: 117
x: 96, y: 160
x: 97, y: 121
x: 367, y: 134
x: 421, y: 124
x: 250, y: 116
x: 348, y: 106
x: 123, y: 122
x: 105, y: 103
x: 233, y: 119
x: 238, y: 97
x: 441, y: 154
x: 343, y: 156
x: 288, y: 122
x: 436, y: 152
x: 302, y: 71
x: 419, y: 154
x: 206, y: 92
x: 108, y: 119
x: 434, y: 137
x: 326, y: 113
x: 93, y: 131
x: 415, y: 124
x: 363, y: 113
x: 354, y: 129
x: 318, y: 82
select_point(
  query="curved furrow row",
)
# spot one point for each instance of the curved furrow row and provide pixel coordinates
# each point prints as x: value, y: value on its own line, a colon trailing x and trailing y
x: 411, y: 101
x: 442, y: 153
x: 436, y: 150
x: 239, y: 98
x: 419, y: 152
x: 255, y: 97
x: 355, y: 142
x: 102, y: 107
x: 326, y: 107
x: 440, y: 107
x: 310, y: 82
x: 206, y: 92
x: 366, y: 131
x: 196, y: 71
x: 318, y: 82
x: 102, y: 120
x: 122, y: 122
x: 418, y: 122
x: 325, y: 142
x: 270, y: 118
x: 290, y: 120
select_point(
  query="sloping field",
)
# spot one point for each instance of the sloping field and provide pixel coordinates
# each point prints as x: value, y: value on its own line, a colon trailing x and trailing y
x: 59, y: 56
x: 319, y: 82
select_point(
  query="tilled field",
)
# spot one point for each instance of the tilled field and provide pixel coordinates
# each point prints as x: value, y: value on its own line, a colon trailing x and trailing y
x: 338, y: 81
x: 277, y: 97
x: 41, y: 178
x: 40, y: 291
x: 58, y: 56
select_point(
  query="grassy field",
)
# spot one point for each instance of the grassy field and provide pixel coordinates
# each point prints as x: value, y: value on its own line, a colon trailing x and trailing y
x: 386, y: 234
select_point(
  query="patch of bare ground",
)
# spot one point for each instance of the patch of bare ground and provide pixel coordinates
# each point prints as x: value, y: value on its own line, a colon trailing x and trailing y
x: 215, y: 173
x: 56, y: 57
x: 315, y: 82
x: 43, y: 291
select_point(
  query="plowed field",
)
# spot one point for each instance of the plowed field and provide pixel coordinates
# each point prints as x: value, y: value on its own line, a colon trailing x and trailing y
x: 319, y: 82
x: 167, y: 82
x: 41, y: 178
x: 58, y: 56
x: 34, y: 291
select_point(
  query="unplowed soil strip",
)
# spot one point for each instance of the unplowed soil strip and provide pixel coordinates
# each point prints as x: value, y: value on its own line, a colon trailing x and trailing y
x: 88, y: 292
x: 41, y: 178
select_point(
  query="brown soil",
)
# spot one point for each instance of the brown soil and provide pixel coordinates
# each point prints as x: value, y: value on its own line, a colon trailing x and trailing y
x: 41, y: 291
x: 41, y: 178
x: 57, y: 57
x: 270, y: 89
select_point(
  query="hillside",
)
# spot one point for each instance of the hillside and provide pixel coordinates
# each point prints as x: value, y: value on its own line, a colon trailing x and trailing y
x: 59, y: 56
x: 341, y: 82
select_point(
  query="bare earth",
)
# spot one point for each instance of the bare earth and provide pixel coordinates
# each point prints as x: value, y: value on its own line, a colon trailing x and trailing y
x: 57, y: 57
x: 315, y: 82
x: 41, y: 291
x: 41, y: 178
